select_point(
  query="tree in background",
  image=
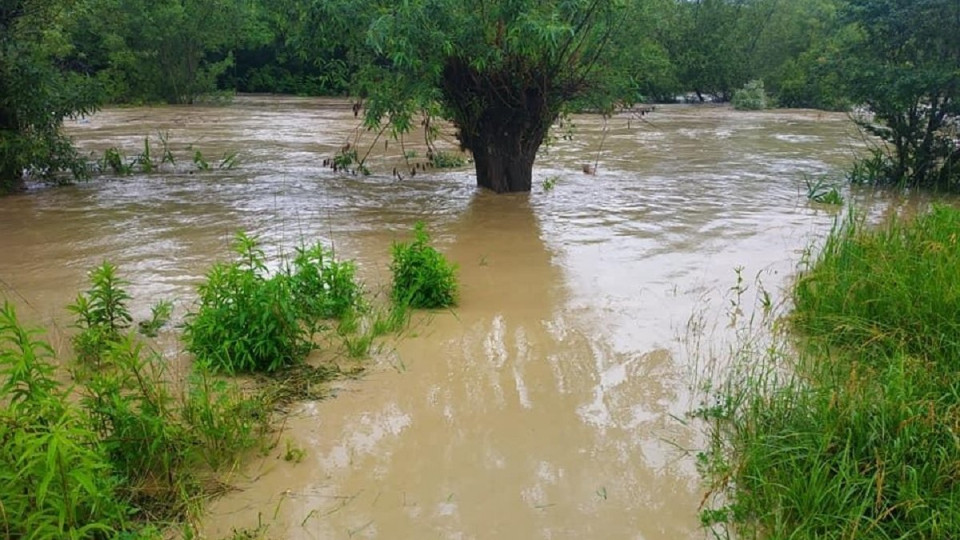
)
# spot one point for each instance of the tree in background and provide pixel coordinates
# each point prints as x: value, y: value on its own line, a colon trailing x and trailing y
x: 162, y: 50
x: 501, y: 71
x: 36, y: 93
x: 905, y: 69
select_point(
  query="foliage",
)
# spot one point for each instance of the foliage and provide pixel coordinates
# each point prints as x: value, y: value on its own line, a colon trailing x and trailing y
x: 159, y: 317
x: 55, y: 481
x: 248, y: 320
x: 501, y: 72
x: 851, y: 432
x: 37, y: 94
x: 822, y: 191
x: 245, y: 319
x: 422, y: 276
x: 446, y: 160
x: 903, y: 69
x: 550, y: 182
x: 101, y: 313
x: 875, y: 279
x: 164, y: 50
x: 325, y: 287
x: 752, y: 97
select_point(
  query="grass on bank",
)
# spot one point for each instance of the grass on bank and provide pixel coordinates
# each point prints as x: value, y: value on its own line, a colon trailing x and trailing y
x: 850, y: 426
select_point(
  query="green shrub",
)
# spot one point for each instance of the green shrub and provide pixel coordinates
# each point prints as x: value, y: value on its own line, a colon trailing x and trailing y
x: 752, y: 97
x: 101, y: 313
x: 246, y: 321
x: 446, y: 160
x: 422, y: 276
x: 324, y: 287
x: 822, y: 191
x: 55, y: 478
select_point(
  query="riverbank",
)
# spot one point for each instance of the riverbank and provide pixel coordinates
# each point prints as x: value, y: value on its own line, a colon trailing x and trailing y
x: 850, y: 429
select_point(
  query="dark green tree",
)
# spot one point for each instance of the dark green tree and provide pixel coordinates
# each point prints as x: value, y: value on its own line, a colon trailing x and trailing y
x: 501, y: 71
x: 172, y: 51
x: 36, y: 93
x: 905, y: 69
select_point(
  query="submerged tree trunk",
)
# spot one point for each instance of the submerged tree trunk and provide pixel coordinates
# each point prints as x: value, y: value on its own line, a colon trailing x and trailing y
x: 504, y: 155
x: 502, y: 119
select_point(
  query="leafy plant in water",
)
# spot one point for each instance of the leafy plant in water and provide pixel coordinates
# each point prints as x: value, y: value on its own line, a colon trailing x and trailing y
x: 245, y: 320
x: 144, y: 159
x: 550, y: 182
x: 446, y: 160
x: 200, y: 162
x: 114, y: 160
x: 422, y: 276
x: 101, y: 313
x: 821, y: 191
x: 324, y: 287
x: 167, y: 154
x: 159, y: 317
x: 229, y: 161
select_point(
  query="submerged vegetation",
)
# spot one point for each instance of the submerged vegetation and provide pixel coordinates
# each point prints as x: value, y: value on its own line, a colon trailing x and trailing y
x: 129, y: 448
x: 850, y: 431
x: 422, y: 276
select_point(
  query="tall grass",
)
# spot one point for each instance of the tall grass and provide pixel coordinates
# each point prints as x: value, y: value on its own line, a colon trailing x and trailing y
x: 850, y: 427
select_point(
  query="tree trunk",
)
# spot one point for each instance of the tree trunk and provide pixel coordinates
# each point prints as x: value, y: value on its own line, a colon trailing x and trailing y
x: 504, y: 160
x: 502, y: 118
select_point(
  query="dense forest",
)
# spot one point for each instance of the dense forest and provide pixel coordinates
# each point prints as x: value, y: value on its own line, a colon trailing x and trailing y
x: 896, y: 58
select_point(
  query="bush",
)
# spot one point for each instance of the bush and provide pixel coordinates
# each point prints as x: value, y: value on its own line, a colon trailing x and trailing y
x: 246, y: 321
x: 249, y: 321
x: 55, y: 479
x: 325, y: 288
x: 752, y: 97
x: 422, y: 276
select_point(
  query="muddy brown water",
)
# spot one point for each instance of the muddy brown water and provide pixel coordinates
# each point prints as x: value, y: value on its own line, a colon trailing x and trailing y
x: 549, y: 404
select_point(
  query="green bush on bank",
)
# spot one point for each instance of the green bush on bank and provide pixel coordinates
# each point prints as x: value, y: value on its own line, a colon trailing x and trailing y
x: 857, y: 437
x: 422, y: 276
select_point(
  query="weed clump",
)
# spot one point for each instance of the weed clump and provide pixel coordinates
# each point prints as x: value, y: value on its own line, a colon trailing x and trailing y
x: 849, y: 432
x: 248, y: 320
x: 422, y: 276
x: 55, y: 479
x: 120, y: 449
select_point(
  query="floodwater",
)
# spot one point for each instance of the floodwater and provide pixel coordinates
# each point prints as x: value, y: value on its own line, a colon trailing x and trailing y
x: 551, y: 402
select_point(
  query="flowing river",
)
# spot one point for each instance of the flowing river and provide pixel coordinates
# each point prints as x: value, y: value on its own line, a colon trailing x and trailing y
x: 551, y: 403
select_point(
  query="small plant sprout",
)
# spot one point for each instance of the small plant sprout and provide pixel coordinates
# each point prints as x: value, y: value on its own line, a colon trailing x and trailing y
x: 820, y: 190
x: 550, y: 182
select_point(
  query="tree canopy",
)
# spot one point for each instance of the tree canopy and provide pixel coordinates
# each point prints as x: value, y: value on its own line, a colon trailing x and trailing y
x: 905, y: 68
x: 501, y: 72
x: 36, y: 92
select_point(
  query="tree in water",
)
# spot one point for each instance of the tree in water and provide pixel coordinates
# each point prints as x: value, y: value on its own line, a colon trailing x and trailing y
x: 502, y: 71
x: 36, y: 94
x: 904, y: 69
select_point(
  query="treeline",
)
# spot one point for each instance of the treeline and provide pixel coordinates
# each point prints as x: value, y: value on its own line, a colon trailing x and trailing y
x: 176, y: 51
x: 896, y: 60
